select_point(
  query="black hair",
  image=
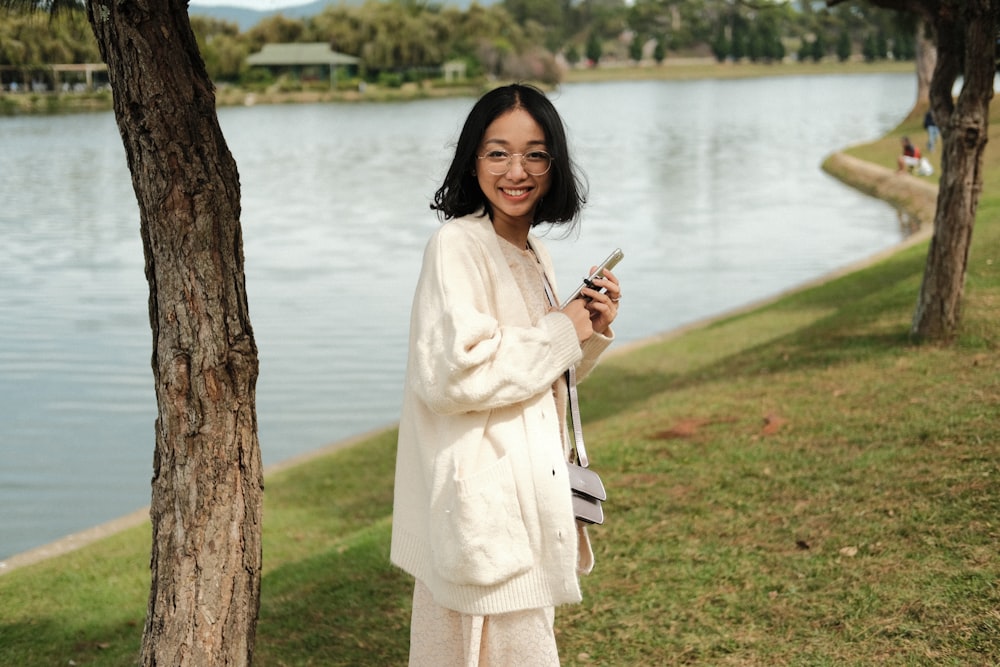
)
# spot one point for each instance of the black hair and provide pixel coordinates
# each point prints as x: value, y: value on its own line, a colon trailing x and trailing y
x: 460, y: 193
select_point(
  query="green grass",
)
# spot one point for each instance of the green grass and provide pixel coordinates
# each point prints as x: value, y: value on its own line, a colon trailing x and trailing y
x: 795, y: 485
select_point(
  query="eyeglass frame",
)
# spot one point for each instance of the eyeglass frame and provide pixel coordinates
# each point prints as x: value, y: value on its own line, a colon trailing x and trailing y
x: 510, y: 161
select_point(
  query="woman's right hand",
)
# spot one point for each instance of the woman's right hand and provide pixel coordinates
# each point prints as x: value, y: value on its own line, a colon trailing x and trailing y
x: 577, y: 312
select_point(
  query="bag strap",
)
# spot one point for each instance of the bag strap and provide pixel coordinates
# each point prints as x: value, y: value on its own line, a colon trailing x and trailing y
x: 574, y: 399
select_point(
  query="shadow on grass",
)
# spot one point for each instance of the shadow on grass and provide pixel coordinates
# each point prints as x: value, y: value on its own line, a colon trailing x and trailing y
x: 854, y: 329
x: 343, y: 492
x: 347, y: 606
x: 54, y: 641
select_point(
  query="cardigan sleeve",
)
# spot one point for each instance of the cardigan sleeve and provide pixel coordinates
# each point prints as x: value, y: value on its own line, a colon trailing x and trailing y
x: 473, y: 346
x: 593, y: 347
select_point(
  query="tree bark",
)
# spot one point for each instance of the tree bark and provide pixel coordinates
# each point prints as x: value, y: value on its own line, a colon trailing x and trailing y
x: 926, y: 62
x: 207, y: 484
x: 966, y: 32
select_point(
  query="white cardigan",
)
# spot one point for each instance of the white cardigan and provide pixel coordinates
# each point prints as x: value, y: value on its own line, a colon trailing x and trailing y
x: 482, y: 512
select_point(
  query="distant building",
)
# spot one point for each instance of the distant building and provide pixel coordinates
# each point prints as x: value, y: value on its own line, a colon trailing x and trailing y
x: 59, y: 78
x: 454, y: 70
x: 299, y: 58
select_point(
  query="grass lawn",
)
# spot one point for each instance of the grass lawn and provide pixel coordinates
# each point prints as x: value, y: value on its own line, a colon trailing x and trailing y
x: 799, y: 484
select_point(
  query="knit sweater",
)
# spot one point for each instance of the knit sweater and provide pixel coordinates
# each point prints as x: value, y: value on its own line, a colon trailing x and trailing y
x: 482, y: 511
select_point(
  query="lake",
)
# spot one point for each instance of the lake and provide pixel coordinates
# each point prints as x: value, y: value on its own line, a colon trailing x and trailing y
x: 712, y: 188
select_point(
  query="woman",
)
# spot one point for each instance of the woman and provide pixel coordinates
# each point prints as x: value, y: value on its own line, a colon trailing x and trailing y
x: 482, y: 510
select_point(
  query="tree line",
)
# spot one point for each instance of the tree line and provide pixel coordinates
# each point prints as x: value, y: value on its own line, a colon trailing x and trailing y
x: 400, y: 40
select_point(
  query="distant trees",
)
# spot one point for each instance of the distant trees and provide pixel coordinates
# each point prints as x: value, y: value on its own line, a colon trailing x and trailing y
x: 224, y: 51
x: 765, y: 32
x: 594, y: 49
x: 28, y: 42
x: 25, y: 39
x: 515, y: 38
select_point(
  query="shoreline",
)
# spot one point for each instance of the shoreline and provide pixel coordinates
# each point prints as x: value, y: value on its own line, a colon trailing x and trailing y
x: 907, y: 193
x: 671, y: 69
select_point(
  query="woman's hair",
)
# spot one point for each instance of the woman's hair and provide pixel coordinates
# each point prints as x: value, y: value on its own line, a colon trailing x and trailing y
x: 460, y: 193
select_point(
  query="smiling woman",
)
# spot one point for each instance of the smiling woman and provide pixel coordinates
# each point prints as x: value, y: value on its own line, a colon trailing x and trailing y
x: 483, y: 516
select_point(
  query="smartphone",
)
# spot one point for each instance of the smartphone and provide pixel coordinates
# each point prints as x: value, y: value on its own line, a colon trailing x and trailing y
x: 607, y: 264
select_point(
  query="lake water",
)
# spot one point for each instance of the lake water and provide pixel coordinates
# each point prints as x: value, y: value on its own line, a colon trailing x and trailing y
x: 712, y: 188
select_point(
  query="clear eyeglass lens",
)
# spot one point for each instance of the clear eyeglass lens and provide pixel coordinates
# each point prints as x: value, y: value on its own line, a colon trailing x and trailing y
x: 499, y: 163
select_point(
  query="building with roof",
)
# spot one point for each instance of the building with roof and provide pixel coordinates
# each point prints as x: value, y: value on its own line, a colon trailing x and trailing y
x: 299, y: 58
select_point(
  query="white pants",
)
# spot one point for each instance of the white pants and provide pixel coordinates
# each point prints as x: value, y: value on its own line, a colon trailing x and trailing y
x: 442, y: 637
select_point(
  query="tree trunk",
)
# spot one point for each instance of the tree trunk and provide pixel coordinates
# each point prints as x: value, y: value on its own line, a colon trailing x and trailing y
x: 968, y: 34
x: 926, y: 62
x: 207, y: 479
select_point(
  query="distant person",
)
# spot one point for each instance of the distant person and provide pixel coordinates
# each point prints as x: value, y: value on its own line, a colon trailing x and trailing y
x: 933, y: 132
x: 482, y: 511
x: 909, y: 158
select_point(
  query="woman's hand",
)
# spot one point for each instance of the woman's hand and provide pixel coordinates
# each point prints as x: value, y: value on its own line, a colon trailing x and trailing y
x: 603, y: 306
x: 577, y: 312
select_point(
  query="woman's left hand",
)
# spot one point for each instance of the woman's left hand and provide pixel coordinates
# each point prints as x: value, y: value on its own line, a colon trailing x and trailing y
x: 603, y: 306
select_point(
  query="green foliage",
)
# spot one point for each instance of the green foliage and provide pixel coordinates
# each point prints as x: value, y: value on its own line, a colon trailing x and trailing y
x: 222, y: 49
x: 659, y: 51
x: 594, y: 49
x: 870, y: 49
x: 843, y: 46
x: 278, y: 29
x: 36, y: 39
x: 764, y: 42
x: 820, y: 48
x: 256, y: 78
x: 288, y: 83
x: 8, y: 106
x: 508, y: 40
x: 881, y: 45
x: 390, y: 79
x: 739, y: 39
x: 572, y: 55
x: 721, y: 46
x: 549, y: 19
x: 904, y: 46
x: 635, y: 48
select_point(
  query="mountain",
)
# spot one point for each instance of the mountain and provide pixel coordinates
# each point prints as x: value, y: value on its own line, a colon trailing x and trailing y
x: 247, y: 17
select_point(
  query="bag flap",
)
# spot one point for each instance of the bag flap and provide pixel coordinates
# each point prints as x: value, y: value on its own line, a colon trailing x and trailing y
x: 586, y: 482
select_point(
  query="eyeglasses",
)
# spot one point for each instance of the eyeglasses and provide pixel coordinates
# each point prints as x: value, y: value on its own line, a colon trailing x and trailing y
x: 499, y: 162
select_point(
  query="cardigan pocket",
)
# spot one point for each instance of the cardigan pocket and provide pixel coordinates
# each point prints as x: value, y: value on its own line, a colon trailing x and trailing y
x: 478, y: 536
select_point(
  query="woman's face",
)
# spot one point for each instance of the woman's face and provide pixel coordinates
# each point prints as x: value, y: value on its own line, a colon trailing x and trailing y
x: 514, y: 194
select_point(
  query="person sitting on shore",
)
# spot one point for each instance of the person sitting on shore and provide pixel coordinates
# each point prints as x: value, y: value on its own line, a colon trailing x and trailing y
x: 909, y: 158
